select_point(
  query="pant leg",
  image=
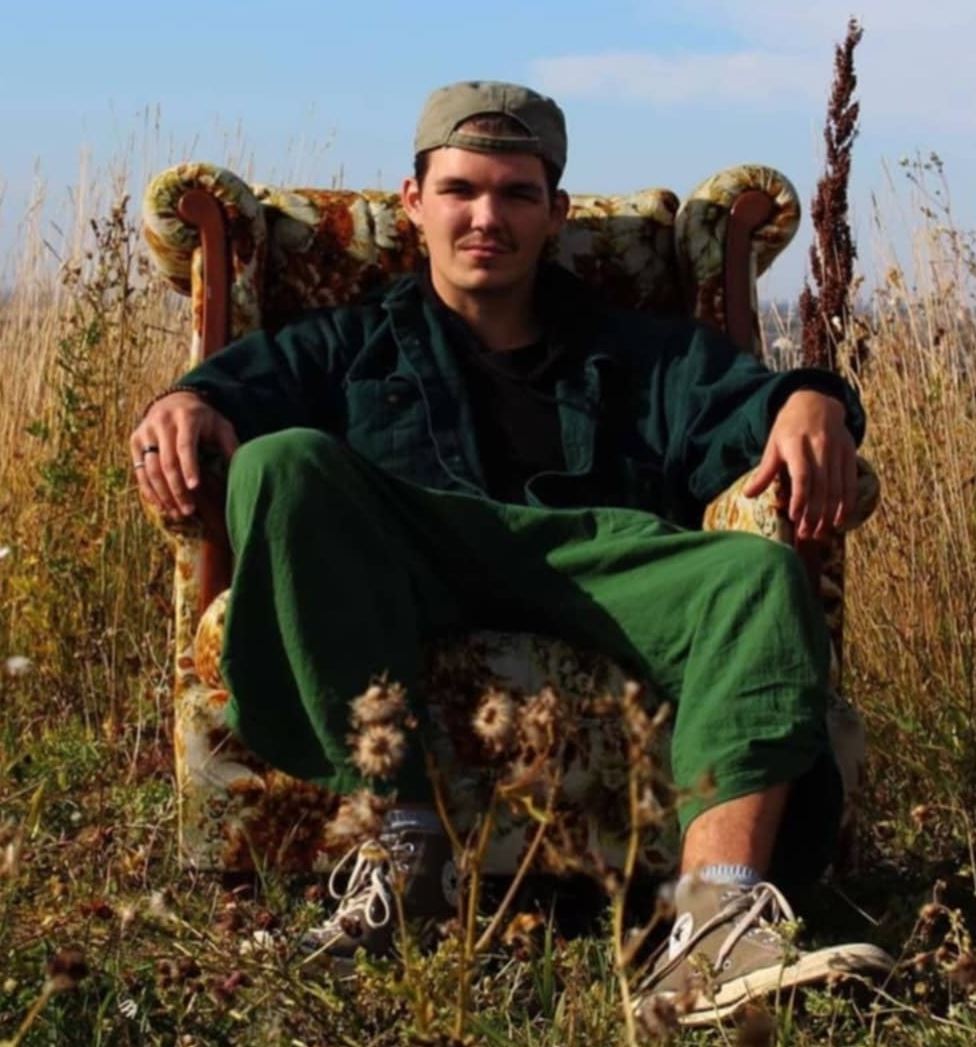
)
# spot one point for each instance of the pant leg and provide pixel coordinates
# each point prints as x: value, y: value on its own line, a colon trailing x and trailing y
x: 726, y: 627
x: 328, y: 591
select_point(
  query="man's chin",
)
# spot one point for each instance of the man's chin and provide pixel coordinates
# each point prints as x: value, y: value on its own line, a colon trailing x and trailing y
x: 490, y: 278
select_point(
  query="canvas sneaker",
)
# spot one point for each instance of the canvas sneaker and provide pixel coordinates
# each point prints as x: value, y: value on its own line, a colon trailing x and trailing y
x: 415, y: 859
x: 730, y: 944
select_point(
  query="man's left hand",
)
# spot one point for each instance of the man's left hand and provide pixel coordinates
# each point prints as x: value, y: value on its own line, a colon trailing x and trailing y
x: 811, y: 443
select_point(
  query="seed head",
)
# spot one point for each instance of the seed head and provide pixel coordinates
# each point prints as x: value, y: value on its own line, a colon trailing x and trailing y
x: 381, y: 703
x: 378, y: 751
x: 494, y: 720
x: 359, y: 816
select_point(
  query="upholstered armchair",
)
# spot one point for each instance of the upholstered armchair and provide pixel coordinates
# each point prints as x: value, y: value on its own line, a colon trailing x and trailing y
x: 255, y: 255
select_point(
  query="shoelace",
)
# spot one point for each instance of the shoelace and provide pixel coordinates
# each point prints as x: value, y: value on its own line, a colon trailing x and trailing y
x: 753, y: 903
x: 368, y: 884
x: 765, y: 896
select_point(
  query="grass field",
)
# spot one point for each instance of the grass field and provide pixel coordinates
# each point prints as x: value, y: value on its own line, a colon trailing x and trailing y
x: 104, y: 940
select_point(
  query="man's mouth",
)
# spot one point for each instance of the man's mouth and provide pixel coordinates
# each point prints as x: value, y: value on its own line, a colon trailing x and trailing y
x: 485, y: 248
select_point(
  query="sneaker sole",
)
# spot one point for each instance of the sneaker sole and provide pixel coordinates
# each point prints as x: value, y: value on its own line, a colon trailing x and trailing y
x: 809, y: 969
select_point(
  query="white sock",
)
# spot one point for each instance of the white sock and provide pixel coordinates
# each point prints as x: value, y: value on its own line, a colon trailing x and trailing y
x: 723, y: 872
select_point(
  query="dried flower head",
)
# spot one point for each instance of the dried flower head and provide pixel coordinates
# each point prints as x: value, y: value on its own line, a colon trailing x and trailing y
x: 358, y: 817
x: 381, y: 703
x: 378, y: 750
x: 494, y: 720
x: 66, y: 968
x: 539, y: 721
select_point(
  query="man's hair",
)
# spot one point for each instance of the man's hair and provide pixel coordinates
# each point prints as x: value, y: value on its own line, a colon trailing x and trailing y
x: 491, y: 124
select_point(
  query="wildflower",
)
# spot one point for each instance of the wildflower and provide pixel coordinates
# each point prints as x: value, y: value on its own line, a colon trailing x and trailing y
x: 494, y: 720
x: 378, y: 751
x: 4, y: 552
x: 17, y: 665
x: 66, y: 968
x: 358, y: 817
x: 382, y: 703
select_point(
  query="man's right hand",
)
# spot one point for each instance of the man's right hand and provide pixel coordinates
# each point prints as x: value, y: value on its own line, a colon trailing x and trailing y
x: 165, y: 450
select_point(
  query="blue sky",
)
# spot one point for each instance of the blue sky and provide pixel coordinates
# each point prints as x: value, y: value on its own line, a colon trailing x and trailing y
x: 655, y: 93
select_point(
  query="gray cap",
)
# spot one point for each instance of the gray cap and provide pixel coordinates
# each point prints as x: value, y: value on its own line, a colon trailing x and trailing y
x: 450, y: 106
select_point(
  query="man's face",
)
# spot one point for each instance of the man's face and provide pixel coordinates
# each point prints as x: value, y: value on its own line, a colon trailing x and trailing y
x: 486, y: 218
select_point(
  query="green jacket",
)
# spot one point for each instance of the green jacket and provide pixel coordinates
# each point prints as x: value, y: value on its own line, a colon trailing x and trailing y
x: 655, y: 413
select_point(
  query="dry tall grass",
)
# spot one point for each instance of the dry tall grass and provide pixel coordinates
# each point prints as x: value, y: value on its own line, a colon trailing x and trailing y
x: 912, y: 595
x: 84, y: 591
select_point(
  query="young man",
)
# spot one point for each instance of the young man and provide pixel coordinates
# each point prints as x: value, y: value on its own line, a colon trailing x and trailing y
x: 486, y: 445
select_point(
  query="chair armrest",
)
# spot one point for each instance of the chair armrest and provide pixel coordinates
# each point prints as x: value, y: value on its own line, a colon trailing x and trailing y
x: 762, y: 515
x: 708, y: 232
x: 174, y: 242
x: 765, y: 514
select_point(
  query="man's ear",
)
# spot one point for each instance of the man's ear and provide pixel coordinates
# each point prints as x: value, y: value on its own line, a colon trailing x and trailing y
x: 559, y: 211
x: 410, y: 196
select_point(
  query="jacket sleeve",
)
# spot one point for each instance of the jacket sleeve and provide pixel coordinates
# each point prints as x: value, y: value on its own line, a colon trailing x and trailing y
x: 265, y: 382
x: 718, y: 406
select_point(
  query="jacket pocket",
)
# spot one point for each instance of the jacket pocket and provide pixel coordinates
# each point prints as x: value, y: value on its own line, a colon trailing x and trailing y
x: 389, y: 425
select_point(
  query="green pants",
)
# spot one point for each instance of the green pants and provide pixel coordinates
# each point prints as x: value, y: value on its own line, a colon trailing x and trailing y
x: 343, y: 571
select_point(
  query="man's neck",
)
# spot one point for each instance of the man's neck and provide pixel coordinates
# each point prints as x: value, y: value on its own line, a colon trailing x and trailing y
x: 502, y: 320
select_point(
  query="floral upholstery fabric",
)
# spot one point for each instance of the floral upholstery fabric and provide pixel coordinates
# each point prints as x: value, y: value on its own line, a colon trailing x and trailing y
x: 292, y: 249
x: 700, y: 228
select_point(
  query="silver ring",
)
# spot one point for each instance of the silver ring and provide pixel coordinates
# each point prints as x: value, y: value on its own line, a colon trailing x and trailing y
x: 138, y: 465
x: 150, y: 449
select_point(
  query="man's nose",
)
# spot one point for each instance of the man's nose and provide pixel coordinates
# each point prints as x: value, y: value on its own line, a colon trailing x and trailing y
x: 486, y: 212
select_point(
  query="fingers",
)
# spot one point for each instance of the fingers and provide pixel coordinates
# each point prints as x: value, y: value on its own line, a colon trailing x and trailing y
x: 174, y: 444
x: 159, y: 449
x: 765, y: 473
x: 824, y: 479
x: 165, y: 450
x: 848, y: 503
x: 136, y: 444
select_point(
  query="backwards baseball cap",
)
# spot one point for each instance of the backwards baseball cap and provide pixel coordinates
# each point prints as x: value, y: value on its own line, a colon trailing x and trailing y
x: 449, y: 107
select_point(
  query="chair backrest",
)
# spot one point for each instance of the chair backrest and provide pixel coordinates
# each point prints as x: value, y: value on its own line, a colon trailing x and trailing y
x: 255, y: 256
